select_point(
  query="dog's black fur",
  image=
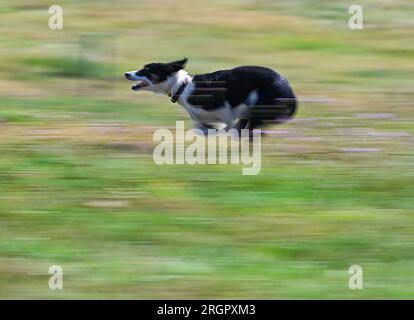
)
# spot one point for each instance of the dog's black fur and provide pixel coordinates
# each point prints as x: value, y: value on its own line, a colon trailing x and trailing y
x: 276, y: 100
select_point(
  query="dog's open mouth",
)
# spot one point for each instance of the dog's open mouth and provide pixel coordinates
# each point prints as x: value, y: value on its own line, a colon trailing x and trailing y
x: 139, y: 84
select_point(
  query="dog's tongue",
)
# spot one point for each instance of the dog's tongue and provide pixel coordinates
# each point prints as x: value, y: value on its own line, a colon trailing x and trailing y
x: 139, y: 85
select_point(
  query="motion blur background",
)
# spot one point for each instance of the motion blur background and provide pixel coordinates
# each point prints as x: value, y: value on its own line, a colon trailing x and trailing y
x: 79, y: 189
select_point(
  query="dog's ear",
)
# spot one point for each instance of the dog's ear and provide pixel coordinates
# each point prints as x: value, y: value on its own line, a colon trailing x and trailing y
x: 179, y: 64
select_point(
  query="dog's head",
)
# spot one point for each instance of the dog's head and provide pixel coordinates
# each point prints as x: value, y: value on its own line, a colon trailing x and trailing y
x: 154, y: 75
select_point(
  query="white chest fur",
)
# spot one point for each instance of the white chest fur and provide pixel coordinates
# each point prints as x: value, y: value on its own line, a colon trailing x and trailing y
x: 222, y: 117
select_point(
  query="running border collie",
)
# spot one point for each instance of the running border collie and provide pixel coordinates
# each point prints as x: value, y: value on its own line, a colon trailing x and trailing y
x: 241, y: 98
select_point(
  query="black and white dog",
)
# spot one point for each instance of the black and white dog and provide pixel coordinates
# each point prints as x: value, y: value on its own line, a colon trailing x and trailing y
x: 241, y: 98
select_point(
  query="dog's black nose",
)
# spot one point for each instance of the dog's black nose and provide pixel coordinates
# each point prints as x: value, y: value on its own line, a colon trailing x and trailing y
x: 127, y: 75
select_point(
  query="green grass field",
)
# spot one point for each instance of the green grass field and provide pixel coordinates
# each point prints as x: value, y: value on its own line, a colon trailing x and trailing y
x: 78, y: 186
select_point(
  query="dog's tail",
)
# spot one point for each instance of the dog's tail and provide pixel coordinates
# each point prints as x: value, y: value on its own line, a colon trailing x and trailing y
x: 286, y: 107
x: 288, y: 102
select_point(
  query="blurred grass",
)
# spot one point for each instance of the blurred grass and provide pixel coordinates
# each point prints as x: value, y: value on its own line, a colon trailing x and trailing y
x: 78, y: 186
